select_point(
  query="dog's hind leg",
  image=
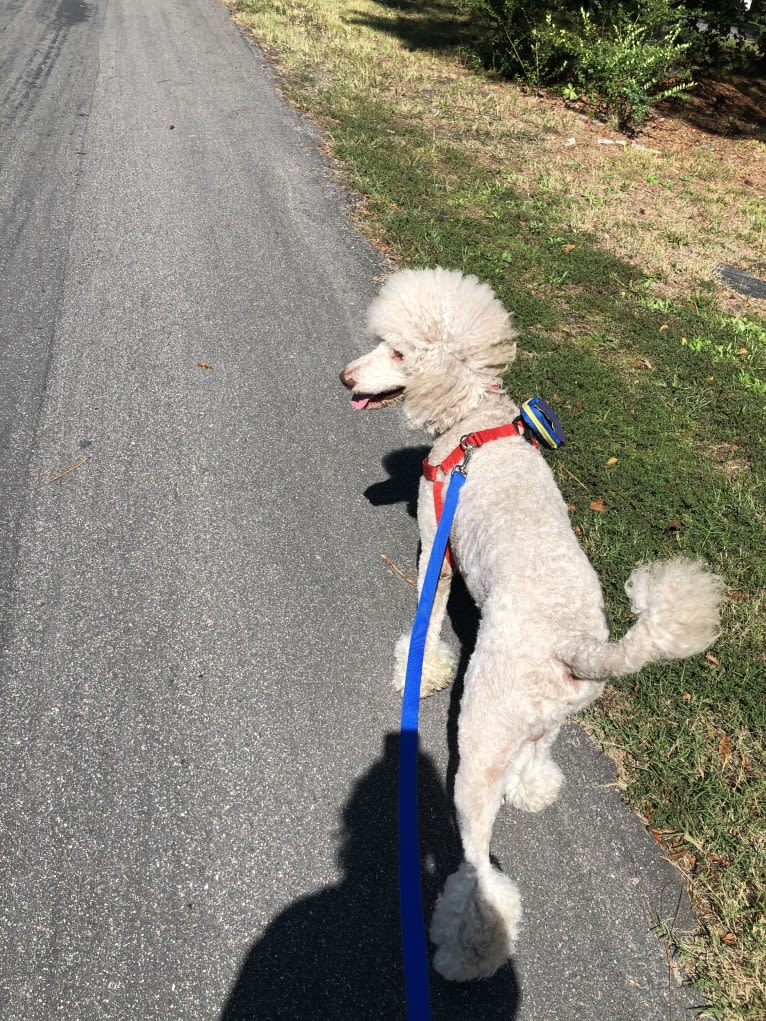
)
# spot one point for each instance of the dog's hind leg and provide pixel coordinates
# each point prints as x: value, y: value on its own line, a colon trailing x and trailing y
x: 476, y: 919
x: 439, y: 661
x: 533, y: 780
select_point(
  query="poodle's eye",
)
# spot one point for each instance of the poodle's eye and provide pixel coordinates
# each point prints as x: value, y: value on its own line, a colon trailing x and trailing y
x: 397, y: 356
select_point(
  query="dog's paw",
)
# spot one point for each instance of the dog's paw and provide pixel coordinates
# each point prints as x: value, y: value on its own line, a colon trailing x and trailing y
x: 534, y: 789
x: 439, y: 666
x: 475, y: 924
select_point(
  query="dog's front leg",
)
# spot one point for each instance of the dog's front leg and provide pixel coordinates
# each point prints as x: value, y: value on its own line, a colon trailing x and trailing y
x: 439, y: 661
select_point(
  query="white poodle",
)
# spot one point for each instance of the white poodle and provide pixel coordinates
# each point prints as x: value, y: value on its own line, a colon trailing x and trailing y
x: 543, y: 649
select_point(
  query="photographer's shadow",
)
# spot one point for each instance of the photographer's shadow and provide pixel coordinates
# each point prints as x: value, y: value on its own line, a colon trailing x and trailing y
x: 336, y: 955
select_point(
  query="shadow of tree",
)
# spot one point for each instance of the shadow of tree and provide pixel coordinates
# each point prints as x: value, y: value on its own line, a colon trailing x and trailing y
x: 335, y: 955
x: 420, y: 24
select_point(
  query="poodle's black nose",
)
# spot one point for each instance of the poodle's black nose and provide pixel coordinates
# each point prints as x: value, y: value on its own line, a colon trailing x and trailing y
x: 347, y: 379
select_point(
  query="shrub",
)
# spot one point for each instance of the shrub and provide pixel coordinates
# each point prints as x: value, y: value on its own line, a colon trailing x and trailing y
x: 625, y: 56
x: 628, y: 65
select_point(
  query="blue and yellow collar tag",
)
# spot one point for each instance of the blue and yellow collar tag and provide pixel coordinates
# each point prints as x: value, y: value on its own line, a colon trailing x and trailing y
x: 541, y: 419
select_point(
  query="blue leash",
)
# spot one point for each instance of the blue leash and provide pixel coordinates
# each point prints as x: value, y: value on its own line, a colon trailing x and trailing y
x: 410, y: 898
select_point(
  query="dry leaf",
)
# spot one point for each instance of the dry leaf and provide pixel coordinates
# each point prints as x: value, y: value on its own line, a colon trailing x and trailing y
x: 725, y: 750
x: 570, y: 507
x: 665, y: 326
x: 203, y: 365
x: 598, y: 505
x: 660, y: 835
x: 612, y: 460
x: 687, y: 696
x: 712, y: 658
x: 729, y: 939
x: 569, y: 248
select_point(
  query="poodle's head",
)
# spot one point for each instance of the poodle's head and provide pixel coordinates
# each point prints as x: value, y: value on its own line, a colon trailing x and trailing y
x: 444, y: 342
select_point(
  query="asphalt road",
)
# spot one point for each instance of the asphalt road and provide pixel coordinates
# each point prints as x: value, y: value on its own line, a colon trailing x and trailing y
x: 198, y: 734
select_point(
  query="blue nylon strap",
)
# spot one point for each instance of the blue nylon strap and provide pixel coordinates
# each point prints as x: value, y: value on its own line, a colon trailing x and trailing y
x: 410, y: 898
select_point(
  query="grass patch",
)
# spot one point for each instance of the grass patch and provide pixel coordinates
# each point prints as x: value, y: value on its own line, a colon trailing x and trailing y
x: 605, y: 255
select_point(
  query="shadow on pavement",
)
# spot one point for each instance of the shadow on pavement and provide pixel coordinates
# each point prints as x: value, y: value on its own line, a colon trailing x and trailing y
x: 335, y: 955
x: 404, y: 469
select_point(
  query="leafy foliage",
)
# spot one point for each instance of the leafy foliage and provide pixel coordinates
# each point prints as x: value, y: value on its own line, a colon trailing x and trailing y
x: 627, y: 55
x: 629, y: 66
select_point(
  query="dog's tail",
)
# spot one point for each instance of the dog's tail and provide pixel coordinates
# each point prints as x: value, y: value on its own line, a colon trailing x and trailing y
x: 677, y: 603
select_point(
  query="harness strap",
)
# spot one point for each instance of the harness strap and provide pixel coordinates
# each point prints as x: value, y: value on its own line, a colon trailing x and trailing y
x: 432, y: 472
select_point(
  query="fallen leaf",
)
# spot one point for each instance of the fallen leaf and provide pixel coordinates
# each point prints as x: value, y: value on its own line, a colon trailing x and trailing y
x: 569, y: 248
x: 729, y: 939
x: 665, y: 326
x: 725, y: 750
x: 743, y: 351
x: 712, y: 658
x: 717, y: 859
x: 570, y: 507
x: 612, y: 460
x: 687, y: 696
x: 578, y: 530
x: 598, y: 505
x: 203, y: 365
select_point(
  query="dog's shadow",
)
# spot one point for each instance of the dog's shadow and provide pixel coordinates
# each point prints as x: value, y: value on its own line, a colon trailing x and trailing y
x: 336, y: 955
x: 404, y: 469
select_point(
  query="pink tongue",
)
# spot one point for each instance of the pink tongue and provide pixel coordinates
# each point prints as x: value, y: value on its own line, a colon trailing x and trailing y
x: 359, y: 402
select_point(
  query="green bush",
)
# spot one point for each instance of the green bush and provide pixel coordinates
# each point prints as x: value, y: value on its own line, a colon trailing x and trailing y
x: 521, y: 40
x: 628, y: 65
x: 726, y: 36
x: 625, y: 56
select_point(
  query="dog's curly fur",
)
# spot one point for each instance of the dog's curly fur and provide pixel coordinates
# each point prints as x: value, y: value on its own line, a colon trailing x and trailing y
x: 543, y: 649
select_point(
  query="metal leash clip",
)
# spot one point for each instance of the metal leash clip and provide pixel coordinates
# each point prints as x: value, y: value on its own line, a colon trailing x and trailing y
x: 468, y: 449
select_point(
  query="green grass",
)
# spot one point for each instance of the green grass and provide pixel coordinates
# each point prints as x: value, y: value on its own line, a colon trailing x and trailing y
x: 663, y: 400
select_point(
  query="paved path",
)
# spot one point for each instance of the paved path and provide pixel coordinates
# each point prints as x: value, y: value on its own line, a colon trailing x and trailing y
x: 198, y: 751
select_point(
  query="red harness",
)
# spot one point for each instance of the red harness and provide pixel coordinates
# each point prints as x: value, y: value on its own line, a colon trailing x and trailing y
x: 461, y: 453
